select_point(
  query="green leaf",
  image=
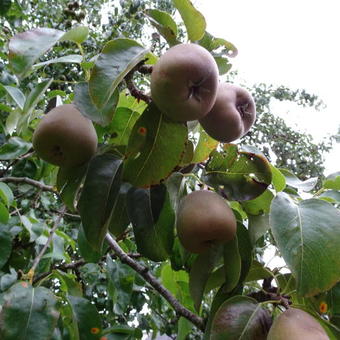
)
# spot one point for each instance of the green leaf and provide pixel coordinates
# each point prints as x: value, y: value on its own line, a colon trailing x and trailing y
x: 200, y: 272
x: 122, y: 124
x: 77, y: 34
x: 5, y: 245
x: 258, y: 226
x: 308, y: 237
x: 153, y: 221
x: 86, y: 318
x: 119, y: 218
x: 184, y: 328
x: 6, y: 194
x: 152, y: 137
x: 14, y: 148
x: 16, y: 95
x: 35, y: 95
x: 278, y: 180
x: 223, y: 65
x: 232, y: 264
x: 121, y: 277
x: 4, y: 214
x: 332, y: 196
x: 177, y: 282
x: 31, y: 102
x: 98, y: 197
x: 240, y: 317
x: 258, y: 272
x: 332, y: 181
x: 293, y: 181
x: 71, y: 58
x: 28, y: 313
x: 241, y: 175
x: 12, y: 121
x: 205, y: 145
x: 68, y: 184
x: 5, y: 6
x: 245, y: 249
x: 68, y: 283
x: 260, y: 204
x: 82, y: 100
x: 193, y: 19
x: 116, y: 60
x: 85, y: 249
x: 165, y: 25
x: 26, y: 47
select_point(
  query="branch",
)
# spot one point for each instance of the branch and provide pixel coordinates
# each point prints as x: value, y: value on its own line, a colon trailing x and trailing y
x: 30, y: 181
x: 144, y: 272
x: 72, y: 266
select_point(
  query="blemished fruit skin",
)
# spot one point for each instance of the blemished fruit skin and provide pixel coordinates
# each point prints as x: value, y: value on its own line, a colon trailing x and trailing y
x: 296, y: 324
x: 203, y: 220
x: 184, y: 82
x: 232, y: 115
x: 64, y: 137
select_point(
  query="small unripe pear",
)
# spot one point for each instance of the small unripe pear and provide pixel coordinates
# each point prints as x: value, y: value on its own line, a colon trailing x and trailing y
x: 64, y: 137
x: 184, y: 82
x: 296, y: 324
x: 203, y: 220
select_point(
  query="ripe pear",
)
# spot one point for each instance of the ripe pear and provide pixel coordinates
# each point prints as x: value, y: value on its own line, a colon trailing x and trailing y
x: 184, y: 82
x: 232, y: 115
x: 64, y: 137
x: 296, y: 324
x: 204, y: 219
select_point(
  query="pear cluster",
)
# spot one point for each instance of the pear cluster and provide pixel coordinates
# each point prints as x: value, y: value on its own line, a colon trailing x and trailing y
x: 185, y: 86
x: 64, y: 137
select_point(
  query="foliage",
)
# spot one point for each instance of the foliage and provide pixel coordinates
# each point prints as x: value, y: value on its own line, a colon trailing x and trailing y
x: 91, y: 252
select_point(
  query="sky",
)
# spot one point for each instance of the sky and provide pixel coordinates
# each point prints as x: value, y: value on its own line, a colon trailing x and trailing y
x: 293, y: 43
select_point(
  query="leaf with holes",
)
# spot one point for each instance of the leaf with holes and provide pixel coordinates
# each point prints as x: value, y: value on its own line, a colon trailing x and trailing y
x: 28, y: 313
x: 205, y: 145
x: 308, y: 237
x: 152, y: 137
x: 116, y: 60
x: 165, y: 25
x: 240, y: 175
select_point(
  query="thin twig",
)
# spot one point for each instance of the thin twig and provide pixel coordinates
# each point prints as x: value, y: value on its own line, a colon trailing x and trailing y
x: 30, y: 181
x: 144, y: 272
x: 48, y: 242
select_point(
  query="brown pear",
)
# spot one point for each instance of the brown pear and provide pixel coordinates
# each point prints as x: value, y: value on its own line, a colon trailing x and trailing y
x: 204, y: 219
x: 296, y: 324
x: 64, y: 137
x: 184, y: 82
x: 232, y: 115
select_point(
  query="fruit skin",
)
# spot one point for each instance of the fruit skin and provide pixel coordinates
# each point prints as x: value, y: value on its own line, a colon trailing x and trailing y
x: 204, y: 219
x: 64, y: 137
x: 184, y: 82
x: 232, y: 115
x: 296, y: 324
